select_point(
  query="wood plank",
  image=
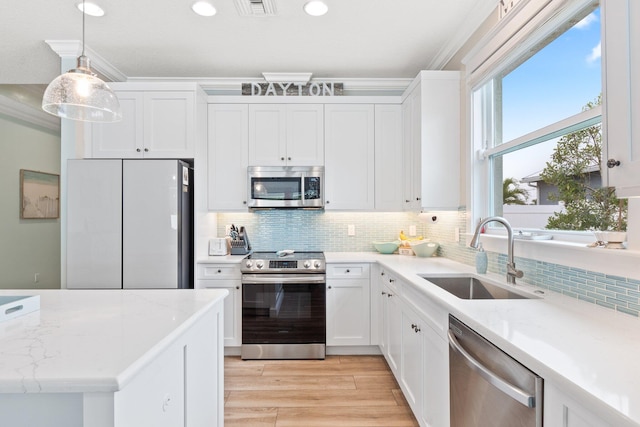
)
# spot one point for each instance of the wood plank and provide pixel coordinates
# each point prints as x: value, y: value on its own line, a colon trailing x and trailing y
x: 365, y: 368
x: 292, y: 382
x: 250, y: 417
x: 386, y: 416
x: 303, y: 398
x: 376, y: 382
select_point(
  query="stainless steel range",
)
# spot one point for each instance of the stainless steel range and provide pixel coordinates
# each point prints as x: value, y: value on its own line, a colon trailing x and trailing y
x: 284, y: 305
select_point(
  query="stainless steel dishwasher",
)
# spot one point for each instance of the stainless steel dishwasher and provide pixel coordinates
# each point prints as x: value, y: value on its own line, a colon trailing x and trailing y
x: 487, y: 386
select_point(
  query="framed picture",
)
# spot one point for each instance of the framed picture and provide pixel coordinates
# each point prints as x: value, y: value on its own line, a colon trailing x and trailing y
x: 39, y: 195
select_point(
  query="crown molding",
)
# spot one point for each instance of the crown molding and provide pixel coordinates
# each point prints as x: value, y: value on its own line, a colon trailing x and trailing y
x: 474, y: 19
x: 21, y: 111
x: 73, y: 48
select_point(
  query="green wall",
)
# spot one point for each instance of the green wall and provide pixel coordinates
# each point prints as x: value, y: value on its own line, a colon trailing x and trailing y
x: 27, y: 246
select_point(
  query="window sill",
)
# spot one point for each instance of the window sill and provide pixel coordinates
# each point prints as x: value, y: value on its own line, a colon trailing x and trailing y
x: 617, y: 262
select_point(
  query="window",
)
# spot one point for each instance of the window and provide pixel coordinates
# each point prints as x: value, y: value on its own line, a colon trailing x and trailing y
x: 537, y: 128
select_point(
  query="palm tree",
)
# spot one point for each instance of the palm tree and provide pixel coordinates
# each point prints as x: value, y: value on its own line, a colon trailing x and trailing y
x: 512, y: 193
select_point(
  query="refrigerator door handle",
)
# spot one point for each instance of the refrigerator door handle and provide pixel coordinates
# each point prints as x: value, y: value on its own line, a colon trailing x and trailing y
x: 509, y: 389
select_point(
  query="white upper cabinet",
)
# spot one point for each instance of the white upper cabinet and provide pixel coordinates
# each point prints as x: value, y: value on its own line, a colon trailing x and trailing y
x: 286, y: 135
x: 155, y: 124
x: 228, y: 143
x: 621, y: 105
x: 388, y: 158
x: 349, y: 156
x: 431, y: 114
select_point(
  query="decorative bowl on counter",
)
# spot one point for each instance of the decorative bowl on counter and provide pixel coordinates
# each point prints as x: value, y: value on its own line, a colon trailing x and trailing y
x: 386, y: 247
x: 424, y: 248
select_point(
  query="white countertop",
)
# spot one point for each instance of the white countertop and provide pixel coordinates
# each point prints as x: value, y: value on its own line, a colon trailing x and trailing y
x: 590, y: 352
x: 93, y: 340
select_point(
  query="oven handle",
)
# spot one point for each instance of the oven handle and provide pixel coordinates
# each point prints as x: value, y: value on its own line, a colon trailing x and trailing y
x: 260, y: 279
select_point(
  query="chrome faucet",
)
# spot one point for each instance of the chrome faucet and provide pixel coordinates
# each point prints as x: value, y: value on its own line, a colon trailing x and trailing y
x: 512, y: 271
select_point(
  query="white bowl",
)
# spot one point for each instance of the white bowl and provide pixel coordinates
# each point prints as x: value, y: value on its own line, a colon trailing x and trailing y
x: 424, y: 248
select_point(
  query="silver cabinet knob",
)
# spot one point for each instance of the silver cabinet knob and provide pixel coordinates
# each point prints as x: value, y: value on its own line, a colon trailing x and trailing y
x: 138, y: 150
x: 612, y: 163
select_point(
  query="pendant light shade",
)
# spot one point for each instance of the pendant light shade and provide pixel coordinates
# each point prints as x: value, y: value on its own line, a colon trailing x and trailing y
x: 79, y: 95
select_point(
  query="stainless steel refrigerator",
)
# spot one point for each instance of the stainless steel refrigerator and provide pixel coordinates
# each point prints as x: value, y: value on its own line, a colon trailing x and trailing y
x: 129, y: 224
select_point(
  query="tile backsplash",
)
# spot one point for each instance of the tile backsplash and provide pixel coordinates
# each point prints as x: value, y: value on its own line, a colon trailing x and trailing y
x: 305, y: 230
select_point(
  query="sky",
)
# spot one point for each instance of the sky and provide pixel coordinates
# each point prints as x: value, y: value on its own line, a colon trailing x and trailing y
x: 554, y: 84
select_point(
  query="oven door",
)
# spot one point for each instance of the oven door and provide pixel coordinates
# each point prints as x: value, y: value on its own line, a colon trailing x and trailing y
x: 283, y: 309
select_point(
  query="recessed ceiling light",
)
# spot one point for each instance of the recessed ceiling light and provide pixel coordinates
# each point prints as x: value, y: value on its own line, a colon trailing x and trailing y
x: 204, y: 8
x: 91, y: 9
x: 316, y: 8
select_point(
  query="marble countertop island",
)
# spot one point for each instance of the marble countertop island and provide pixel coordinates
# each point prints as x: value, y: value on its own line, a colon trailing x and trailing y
x: 97, y: 342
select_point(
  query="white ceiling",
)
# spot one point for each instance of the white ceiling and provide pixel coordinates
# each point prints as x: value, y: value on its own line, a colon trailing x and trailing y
x: 356, y: 39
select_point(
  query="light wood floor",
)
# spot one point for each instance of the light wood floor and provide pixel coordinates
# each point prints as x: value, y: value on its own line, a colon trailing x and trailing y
x: 339, y: 391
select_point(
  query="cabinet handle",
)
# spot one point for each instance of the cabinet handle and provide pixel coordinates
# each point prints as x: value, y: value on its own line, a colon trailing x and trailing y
x: 146, y: 150
x: 384, y: 293
x: 389, y: 295
x: 417, y: 329
x: 138, y: 150
x: 237, y: 287
x: 407, y: 201
x: 329, y: 287
x: 327, y: 202
x: 282, y: 158
x: 612, y: 163
x: 219, y: 271
x: 391, y: 280
x: 288, y: 158
x: 414, y: 326
x: 244, y: 202
x: 418, y: 199
x: 382, y: 273
x: 348, y: 271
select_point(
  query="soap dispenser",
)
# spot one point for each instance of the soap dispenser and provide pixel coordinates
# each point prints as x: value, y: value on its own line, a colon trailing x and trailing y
x: 481, y: 260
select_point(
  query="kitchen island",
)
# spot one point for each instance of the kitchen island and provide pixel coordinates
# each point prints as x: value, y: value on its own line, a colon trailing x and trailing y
x: 106, y: 358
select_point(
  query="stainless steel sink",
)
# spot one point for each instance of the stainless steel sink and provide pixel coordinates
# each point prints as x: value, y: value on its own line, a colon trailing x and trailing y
x: 472, y: 288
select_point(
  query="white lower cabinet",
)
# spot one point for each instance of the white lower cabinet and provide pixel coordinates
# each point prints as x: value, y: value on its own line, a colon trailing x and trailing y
x: 411, y: 365
x: 348, y: 305
x: 412, y: 342
x: 561, y: 410
x: 225, y: 276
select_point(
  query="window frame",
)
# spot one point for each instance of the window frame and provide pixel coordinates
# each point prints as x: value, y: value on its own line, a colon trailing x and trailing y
x: 528, y: 24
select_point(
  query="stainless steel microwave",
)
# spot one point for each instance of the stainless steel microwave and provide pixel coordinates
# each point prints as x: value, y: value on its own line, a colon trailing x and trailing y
x: 285, y: 187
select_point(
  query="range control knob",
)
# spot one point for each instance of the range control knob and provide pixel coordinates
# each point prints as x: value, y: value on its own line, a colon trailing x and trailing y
x: 249, y: 264
x: 259, y: 264
x: 317, y: 264
x: 307, y: 264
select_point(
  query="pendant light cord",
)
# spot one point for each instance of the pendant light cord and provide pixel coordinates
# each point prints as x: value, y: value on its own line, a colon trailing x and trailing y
x: 83, y: 18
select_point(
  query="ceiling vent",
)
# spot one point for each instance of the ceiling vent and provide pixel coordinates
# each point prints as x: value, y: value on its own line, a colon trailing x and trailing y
x: 256, y: 7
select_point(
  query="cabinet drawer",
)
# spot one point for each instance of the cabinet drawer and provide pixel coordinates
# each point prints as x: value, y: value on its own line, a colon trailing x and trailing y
x: 218, y: 271
x: 348, y: 271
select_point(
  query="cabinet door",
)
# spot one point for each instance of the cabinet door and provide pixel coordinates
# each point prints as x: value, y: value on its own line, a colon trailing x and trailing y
x: 169, y: 124
x: 267, y: 135
x: 228, y: 143
x: 121, y: 139
x: 561, y: 410
x: 411, y: 151
x: 388, y: 158
x: 393, y: 318
x: 435, y: 400
x: 305, y: 135
x: 621, y: 106
x: 439, y: 127
x: 348, y: 312
x: 411, y: 367
x: 349, y: 157
x: 232, y: 309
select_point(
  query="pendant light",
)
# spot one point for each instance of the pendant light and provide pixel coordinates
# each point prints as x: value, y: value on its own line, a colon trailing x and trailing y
x: 79, y: 95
